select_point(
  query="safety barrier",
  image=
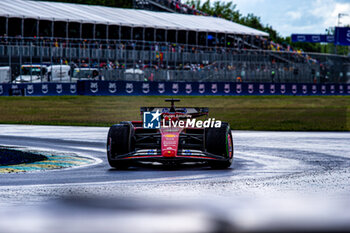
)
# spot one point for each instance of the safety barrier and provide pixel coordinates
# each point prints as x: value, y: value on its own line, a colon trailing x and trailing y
x: 171, y: 88
x: 38, y: 89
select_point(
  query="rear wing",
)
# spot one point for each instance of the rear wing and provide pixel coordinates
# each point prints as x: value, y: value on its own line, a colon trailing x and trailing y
x: 194, y: 112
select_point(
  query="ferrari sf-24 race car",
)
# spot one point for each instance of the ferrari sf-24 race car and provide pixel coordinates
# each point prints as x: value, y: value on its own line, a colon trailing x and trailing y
x: 170, y: 136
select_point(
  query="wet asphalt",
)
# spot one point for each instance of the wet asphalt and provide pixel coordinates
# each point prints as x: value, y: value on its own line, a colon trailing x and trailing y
x: 304, y: 176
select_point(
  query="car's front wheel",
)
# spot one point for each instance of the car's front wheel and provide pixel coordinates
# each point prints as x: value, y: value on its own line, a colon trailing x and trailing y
x: 119, y: 142
x: 219, y: 141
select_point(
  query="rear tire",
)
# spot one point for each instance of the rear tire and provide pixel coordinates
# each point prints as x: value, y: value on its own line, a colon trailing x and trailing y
x: 119, y: 142
x: 218, y: 141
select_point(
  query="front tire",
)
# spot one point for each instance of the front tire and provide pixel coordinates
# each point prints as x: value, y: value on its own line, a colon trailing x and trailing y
x: 219, y: 141
x: 119, y: 142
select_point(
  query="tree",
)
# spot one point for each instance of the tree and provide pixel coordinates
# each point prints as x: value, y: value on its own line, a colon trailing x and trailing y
x: 227, y: 10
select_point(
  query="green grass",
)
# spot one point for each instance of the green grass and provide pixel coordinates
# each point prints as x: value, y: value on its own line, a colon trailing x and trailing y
x: 327, y: 113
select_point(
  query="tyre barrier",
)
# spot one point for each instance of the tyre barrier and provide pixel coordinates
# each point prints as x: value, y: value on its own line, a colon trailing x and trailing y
x: 171, y: 88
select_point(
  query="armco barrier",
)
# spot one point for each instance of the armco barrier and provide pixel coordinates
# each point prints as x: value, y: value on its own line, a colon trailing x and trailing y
x: 171, y: 88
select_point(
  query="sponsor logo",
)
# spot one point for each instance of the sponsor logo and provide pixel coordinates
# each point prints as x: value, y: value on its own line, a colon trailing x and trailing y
x: 341, y: 89
x: 304, y: 88
x: 227, y: 88
x: 294, y: 89
x: 183, y: 110
x: 30, y: 89
x: 314, y: 89
x: 187, y: 152
x: 323, y: 89
x: 188, y: 88
x: 330, y: 38
x: 161, y: 88
x: 145, y: 87
x: 73, y: 88
x: 214, y: 88
x: 59, y: 88
x: 332, y: 89
x: 192, y: 123
x: 316, y: 38
x: 1, y: 90
x: 94, y: 87
x: 151, y: 120
x: 301, y: 38
x: 250, y: 88
x: 272, y: 88
x: 175, y: 88
x: 151, y: 152
x: 112, y: 87
x: 238, y: 88
x: 348, y: 89
x: 201, y: 88
x: 169, y: 135
x: 129, y: 88
x: 283, y: 88
x: 44, y: 88
x: 261, y: 88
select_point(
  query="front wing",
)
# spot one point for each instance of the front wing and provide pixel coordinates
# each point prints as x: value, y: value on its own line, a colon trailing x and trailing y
x: 153, y: 155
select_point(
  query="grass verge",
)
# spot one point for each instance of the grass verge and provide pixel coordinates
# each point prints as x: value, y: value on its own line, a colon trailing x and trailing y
x: 300, y: 113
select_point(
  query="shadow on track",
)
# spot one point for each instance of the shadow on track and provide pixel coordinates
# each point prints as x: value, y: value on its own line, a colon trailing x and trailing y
x: 238, y: 164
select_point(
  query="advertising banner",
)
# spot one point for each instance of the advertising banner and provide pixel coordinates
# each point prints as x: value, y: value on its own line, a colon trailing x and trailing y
x: 312, y: 38
x: 171, y: 88
x: 209, y: 88
x: 342, y: 35
x: 38, y: 89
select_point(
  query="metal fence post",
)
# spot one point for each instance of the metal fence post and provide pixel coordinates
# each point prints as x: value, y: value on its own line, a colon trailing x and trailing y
x: 41, y: 62
x: 31, y: 62
x: 9, y: 47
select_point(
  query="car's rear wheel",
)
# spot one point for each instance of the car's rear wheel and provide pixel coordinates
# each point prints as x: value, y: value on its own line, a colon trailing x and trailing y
x: 119, y: 142
x: 219, y: 141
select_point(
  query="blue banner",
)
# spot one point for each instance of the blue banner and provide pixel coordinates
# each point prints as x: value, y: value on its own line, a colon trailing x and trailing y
x: 16, y: 90
x: 38, y: 89
x: 171, y: 88
x: 4, y: 89
x: 329, y: 39
x: 342, y: 36
x: 153, y: 88
x: 313, y: 38
x: 209, y: 88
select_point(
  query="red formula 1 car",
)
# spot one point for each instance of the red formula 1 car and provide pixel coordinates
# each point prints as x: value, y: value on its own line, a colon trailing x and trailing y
x: 170, y: 136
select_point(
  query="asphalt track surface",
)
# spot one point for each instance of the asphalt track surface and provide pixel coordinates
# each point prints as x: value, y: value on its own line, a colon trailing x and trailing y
x: 279, y: 180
